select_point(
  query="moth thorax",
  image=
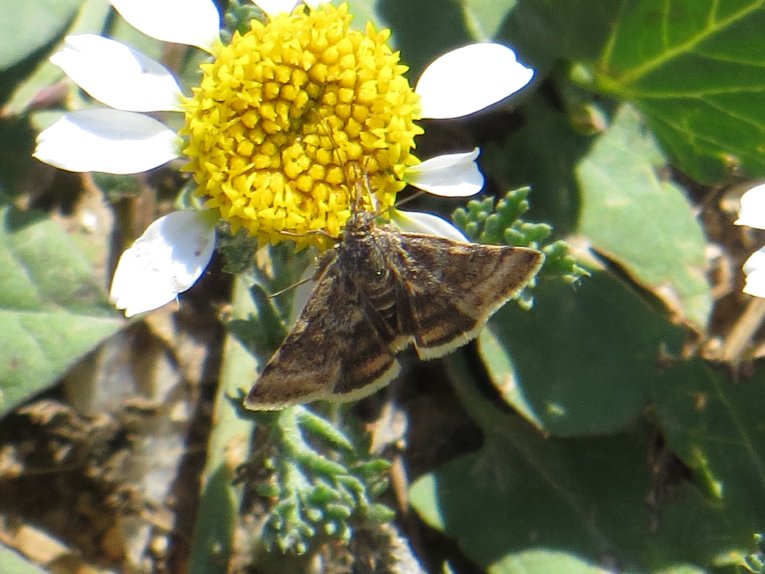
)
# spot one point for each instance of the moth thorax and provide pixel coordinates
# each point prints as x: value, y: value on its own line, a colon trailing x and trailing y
x: 364, y: 258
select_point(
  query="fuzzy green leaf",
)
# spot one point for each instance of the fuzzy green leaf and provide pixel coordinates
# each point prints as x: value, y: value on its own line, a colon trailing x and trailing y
x: 323, y: 428
x: 379, y: 513
x: 321, y: 485
x: 52, y: 310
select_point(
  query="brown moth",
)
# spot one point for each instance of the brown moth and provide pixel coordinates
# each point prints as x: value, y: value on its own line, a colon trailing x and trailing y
x: 378, y: 291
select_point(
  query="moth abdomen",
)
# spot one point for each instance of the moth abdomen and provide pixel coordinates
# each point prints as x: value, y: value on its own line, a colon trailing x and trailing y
x: 382, y: 296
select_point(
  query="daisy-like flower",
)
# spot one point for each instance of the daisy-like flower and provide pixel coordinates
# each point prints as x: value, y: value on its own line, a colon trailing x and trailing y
x: 279, y: 113
x: 752, y: 214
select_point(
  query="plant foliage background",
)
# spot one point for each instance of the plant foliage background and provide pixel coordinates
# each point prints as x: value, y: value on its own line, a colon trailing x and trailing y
x: 617, y: 425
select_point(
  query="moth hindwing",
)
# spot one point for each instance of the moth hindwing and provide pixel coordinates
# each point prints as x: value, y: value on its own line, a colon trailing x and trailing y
x: 378, y: 291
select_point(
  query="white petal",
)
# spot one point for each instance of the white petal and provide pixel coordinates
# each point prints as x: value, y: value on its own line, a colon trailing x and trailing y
x: 754, y: 267
x: 276, y: 7
x: 166, y: 260
x: 118, y: 76
x: 751, y: 211
x: 106, y: 140
x: 192, y: 22
x: 452, y: 175
x: 419, y: 222
x: 469, y: 79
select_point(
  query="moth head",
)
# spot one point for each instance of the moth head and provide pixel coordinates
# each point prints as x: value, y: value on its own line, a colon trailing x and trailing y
x: 362, y: 199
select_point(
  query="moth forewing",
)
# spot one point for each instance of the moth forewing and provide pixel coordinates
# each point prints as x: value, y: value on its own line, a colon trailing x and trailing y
x: 456, y: 286
x: 312, y: 362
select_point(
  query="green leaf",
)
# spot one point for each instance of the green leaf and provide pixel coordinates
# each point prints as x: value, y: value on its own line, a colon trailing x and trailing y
x: 715, y: 425
x: 12, y: 563
x: 33, y: 88
x: 364, y: 11
x: 644, y: 224
x: 484, y: 17
x: 583, y: 359
x: 585, y: 497
x: 694, y: 67
x: 541, y: 155
x: 546, y: 30
x: 220, y: 498
x: 321, y: 489
x: 543, y: 560
x: 35, y: 24
x: 406, y: 19
x: 52, y: 311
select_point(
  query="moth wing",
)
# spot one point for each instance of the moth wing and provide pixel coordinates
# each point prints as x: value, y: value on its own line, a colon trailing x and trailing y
x: 454, y: 287
x: 333, y: 352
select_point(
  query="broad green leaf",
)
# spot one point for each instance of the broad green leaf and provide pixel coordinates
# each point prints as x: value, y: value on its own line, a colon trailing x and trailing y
x: 484, y: 17
x: 715, y: 425
x: 446, y: 30
x: 585, y: 497
x: 541, y: 154
x: 16, y: 161
x: 694, y: 67
x: 645, y: 225
x: 29, y: 26
x: 546, y: 30
x: 543, y: 560
x: 31, y: 88
x: 583, y: 359
x: 52, y: 311
x: 12, y: 563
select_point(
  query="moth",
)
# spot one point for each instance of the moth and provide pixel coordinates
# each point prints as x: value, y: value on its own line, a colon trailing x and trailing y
x: 378, y: 291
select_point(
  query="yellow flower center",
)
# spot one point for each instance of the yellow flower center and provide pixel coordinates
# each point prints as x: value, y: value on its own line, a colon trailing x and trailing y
x: 281, y: 113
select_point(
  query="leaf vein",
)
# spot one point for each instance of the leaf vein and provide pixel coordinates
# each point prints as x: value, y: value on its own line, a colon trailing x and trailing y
x: 648, y: 66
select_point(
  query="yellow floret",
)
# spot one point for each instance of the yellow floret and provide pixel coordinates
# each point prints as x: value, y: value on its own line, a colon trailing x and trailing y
x: 282, y: 111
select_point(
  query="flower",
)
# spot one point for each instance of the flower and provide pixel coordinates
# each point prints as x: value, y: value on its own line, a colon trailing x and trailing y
x: 279, y: 113
x: 752, y: 214
x: 166, y: 260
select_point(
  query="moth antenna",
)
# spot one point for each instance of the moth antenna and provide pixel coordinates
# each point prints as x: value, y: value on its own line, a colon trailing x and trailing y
x: 409, y: 198
x: 358, y: 181
x: 355, y: 176
x: 370, y: 192
x: 289, y: 288
x: 364, y: 180
x: 309, y: 232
